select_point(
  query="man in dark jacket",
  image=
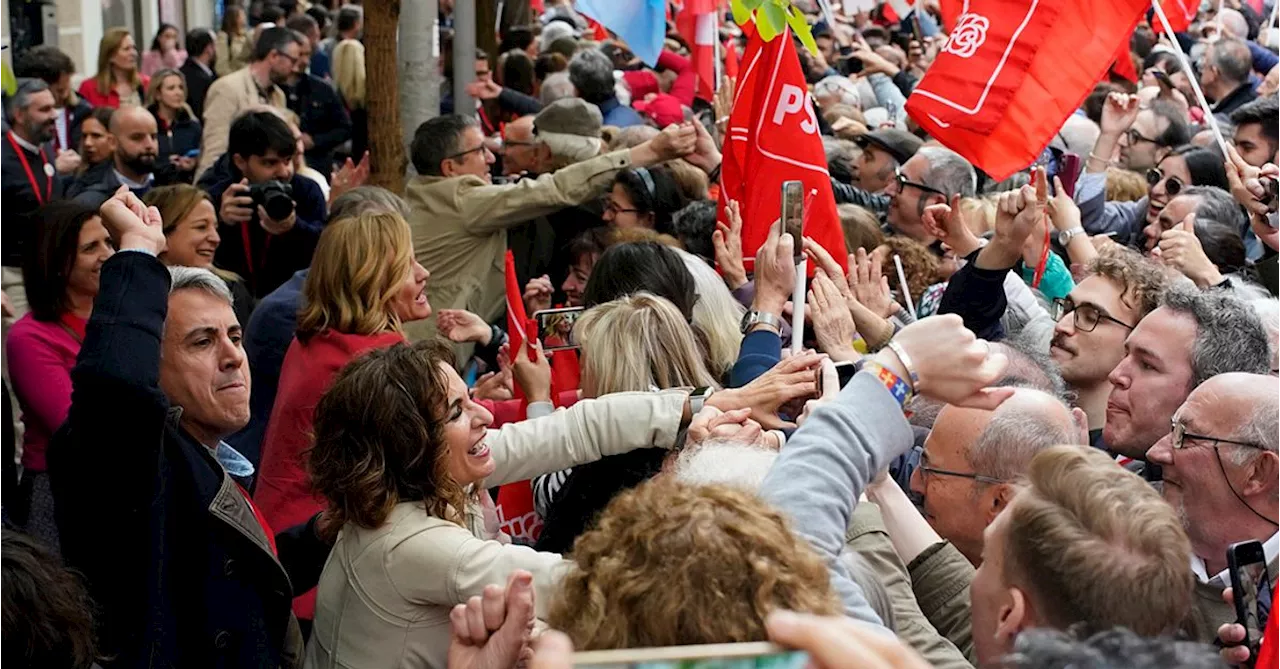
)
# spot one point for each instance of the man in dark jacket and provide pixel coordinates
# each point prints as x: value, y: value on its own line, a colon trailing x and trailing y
x: 151, y: 502
x: 198, y: 69
x: 323, y: 118
x: 51, y: 65
x: 134, y: 162
x: 265, y: 251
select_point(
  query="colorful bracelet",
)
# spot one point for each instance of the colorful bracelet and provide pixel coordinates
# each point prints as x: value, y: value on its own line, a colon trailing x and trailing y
x: 895, y: 385
x: 906, y: 363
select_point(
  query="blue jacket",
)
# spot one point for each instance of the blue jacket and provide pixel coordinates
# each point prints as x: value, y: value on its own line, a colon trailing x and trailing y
x: 618, y: 115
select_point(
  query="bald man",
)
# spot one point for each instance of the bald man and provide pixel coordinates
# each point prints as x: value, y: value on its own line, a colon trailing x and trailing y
x: 973, y: 457
x: 1224, y: 76
x: 1220, y: 474
x: 134, y: 129
x: 1236, y: 25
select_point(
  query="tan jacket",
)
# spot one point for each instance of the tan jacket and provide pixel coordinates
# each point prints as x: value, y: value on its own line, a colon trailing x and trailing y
x: 940, y: 577
x: 868, y: 537
x: 460, y: 224
x: 1209, y: 612
x: 385, y: 594
x: 233, y: 53
x: 227, y: 97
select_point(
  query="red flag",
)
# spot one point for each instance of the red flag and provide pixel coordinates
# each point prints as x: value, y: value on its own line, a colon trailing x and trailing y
x: 1181, y: 13
x: 731, y: 60
x: 1013, y: 70
x: 517, y: 321
x: 1123, y: 65
x: 950, y: 11
x: 697, y: 25
x: 1267, y: 654
x: 773, y: 137
x: 896, y: 10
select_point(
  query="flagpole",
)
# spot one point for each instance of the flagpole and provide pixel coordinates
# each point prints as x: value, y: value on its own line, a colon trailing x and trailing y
x: 1195, y: 85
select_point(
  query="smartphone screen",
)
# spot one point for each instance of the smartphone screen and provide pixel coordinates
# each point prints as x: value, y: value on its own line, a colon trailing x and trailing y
x: 1251, y: 587
x: 761, y: 655
x: 844, y: 373
x: 793, y: 210
x: 555, y: 327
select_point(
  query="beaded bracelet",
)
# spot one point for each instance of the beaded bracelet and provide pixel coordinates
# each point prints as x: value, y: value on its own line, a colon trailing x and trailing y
x: 892, y: 382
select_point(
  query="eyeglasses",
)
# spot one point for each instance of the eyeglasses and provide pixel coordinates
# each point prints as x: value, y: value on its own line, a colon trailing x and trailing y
x: 1085, y: 317
x: 1180, y: 437
x: 1135, y: 137
x: 608, y: 205
x: 903, y: 182
x: 460, y: 154
x: 292, y: 59
x: 926, y: 470
x: 1173, y: 185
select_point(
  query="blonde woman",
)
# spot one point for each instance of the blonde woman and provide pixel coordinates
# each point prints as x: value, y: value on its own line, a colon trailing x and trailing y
x: 717, y: 314
x: 233, y: 45
x: 349, y: 79
x: 118, y: 81
x: 179, y: 131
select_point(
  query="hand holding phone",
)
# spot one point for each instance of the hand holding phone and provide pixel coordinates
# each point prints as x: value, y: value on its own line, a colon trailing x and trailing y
x: 1251, y: 590
x: 555, y: 327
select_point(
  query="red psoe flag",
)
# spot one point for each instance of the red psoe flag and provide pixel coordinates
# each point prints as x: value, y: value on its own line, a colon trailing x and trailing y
x: 773, y: 137
x: 1013, y: 70
x: 1181, y: 13
x: 696, y: 23
x: 517, y: 321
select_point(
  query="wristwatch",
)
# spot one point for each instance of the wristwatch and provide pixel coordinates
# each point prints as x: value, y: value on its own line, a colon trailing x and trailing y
x: 753, y: 318
x: 698, y: 399
x: 1065, y: 236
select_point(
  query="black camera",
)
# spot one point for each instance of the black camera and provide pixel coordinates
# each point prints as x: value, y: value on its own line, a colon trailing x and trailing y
x: 275, y: 197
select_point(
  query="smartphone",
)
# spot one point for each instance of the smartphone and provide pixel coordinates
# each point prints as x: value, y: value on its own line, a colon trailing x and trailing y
x: 1251, y: 588
x: 193, y: 153
x: 758, y: 655
x: 793, y: 211
x: 1162, y: 78
x: 1069, y: 172
x: 849, y: 64
x: 915, y: 29
x: 555, y: 327
x: 844, y: 371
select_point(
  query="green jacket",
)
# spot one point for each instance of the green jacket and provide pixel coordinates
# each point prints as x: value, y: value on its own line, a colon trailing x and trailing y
x: 940, y: 577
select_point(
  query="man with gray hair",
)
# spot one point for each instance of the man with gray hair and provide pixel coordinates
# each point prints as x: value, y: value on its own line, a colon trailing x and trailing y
x: 151, y: 503
x: 592, y: 75
x: 1220, y: 474
x: 930, y: 177
x: 1224, y: 76
x: 556, y: 86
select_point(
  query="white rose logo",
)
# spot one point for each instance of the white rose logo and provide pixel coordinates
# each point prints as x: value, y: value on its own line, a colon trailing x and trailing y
x: 970, y: 33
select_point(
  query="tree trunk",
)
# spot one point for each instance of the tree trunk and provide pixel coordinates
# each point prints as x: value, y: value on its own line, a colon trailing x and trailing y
x: 419, y: 74
x: 386, y: 140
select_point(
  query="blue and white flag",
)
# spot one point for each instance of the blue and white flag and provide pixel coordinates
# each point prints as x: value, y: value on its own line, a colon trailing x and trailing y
x: 642, y: 24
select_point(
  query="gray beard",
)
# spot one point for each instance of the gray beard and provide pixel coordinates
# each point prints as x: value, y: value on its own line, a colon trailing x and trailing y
x: 38, y: 134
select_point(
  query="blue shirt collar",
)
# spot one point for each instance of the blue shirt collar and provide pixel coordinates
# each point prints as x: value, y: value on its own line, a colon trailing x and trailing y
x: 231, y: 460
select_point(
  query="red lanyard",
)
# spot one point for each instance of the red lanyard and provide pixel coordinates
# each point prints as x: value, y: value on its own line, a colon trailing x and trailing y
x: 248, y: 248
x: 1044, y: 254
x: 31, y: 177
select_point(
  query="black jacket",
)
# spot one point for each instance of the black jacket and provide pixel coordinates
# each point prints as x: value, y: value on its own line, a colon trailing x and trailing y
x: 176, y: 140
x: 20, y: 199
x: 181, y: 570
x: 94, y: 193
x: 323, y: 116
x: 77, y: 115
x: 270, y: 259
x: 197, y: 85
x: 87, y: 178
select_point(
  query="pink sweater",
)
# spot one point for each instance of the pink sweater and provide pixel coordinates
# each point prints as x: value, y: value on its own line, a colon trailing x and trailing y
x: 154, y: 61
x: 40, y: 356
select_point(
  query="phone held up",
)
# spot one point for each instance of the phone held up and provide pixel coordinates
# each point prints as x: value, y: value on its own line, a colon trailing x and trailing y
x: 555, y: 327
x: 793, y: 212
x: 757, y: 655
x: 1251, y: 590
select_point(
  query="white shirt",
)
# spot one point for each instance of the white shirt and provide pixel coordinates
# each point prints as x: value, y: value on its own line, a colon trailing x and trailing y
x: 134, y: 185
x: 61, y: 125
x: 1269, y: 549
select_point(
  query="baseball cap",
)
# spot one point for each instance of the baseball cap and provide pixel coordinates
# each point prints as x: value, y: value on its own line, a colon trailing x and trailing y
x: 662, y: 108
x: 898, y: 143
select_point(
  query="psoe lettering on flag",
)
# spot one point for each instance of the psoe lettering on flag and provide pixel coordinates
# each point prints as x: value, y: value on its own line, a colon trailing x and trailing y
x: 774, y: 137
x: 1013, y: 70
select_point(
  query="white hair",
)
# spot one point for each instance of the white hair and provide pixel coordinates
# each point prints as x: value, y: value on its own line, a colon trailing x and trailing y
x: 724, y: 462
x: 840, y: 87
x: 716, y: 312
x: 555, y: 87
x: 1268, y: 310
x: 198, y: 278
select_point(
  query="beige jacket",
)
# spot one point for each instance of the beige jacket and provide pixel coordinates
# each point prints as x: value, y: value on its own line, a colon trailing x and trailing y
x: 233, y: 53
x: 940, y: 577
x: 385, y: 594
x: 227, y: 98
x: 460, y: 224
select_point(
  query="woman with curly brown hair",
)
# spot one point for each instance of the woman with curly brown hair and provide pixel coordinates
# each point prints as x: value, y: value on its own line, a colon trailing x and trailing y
x: 671, y: 564
x: 404, y: 455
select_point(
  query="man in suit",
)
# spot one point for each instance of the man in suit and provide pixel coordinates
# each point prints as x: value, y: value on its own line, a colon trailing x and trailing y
x: 322, y: 117
x: 198, y: 69
x: 258, y: 83
x: 51, y: 65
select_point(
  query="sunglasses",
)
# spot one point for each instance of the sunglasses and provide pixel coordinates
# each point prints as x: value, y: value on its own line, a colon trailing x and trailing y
x: 1173, y: 185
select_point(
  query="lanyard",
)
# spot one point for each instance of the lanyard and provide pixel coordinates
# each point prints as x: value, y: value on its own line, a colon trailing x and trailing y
x: 248, y: 249
x: 31, y: 177
x: 1044, y: 254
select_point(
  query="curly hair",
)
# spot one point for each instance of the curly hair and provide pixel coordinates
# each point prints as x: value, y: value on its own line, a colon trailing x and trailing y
x: 379, y: 437
x: 1142, y: 282
x: 48, y: 615
x: 918, y: 263
x: 1125, y: 186
x: 671, y: 564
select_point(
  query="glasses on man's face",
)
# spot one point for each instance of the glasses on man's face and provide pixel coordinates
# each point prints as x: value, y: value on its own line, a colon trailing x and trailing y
x: 1181, y: 436
x: 926, y: 470
x: 1085, y: 317
x: 292, y: 59
x: 903, y: 182
x: 1172, y: 185
x: 1135, y: 137
x: 461, y: 154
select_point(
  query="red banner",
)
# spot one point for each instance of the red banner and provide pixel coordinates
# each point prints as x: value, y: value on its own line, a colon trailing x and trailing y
x: 773, y: 137
x: 1013, y: 70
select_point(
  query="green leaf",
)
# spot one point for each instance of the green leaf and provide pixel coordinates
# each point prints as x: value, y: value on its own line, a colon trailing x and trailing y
x: 752, y: 4
x: 801, y: 28
x: 771, y: 19
x: 741, y: 13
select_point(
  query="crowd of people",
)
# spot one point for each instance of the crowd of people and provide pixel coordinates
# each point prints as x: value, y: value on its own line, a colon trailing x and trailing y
x: 258, y: 413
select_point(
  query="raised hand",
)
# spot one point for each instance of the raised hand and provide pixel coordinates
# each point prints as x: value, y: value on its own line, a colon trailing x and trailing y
x: 460, y: 325
x: 1118, y: 113
x: 727, y: 240
x: 673, y: 141
x: 705, y: 154
x: 534, y: 376
x: 494, y: 386
x: 790, y: 379
x: 484, y: 89
x: 350, y: 175
x: 67, y: 161
x: 1180, y: 249
x: 775, y: 270
x: 494, y: 630
x: 869, y: 284
x: 711, y: 424
x: 832, y: 323
x: 131, y: 224
x: 947, y: 223
x: 953, y: 365
x: 236, y: 206
x: 537, y: 294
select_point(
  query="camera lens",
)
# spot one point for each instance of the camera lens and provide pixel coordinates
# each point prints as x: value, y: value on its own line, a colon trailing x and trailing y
x: 278, y: 205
